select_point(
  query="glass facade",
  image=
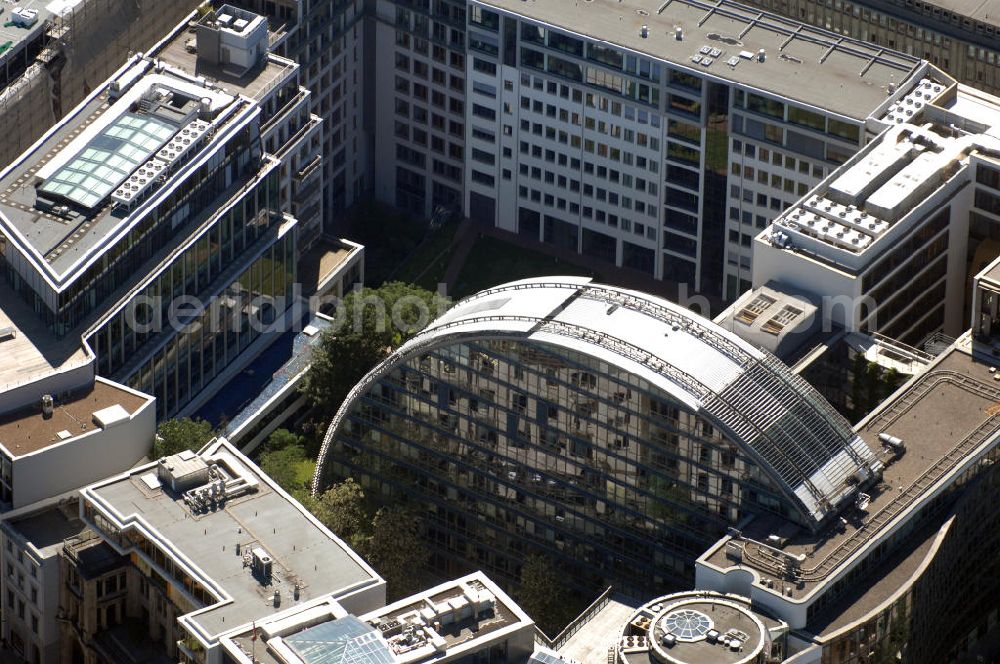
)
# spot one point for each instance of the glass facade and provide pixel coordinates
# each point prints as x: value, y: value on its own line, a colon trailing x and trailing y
x: 519, y: 447
x: 202, y: 193
x: 210, y: 263
x: 195, y: 354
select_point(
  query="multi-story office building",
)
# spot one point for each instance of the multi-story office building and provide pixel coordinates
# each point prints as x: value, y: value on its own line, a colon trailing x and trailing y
x: 154, y: 223
x: 421, y: 110
x: 890, y: 240
x: 658, y: 139
x: 466, y: 620
x: 328, y: 41
x: 181, y: 555
x: 959, y: 37
x: 53, y: 54
x: 919, y: 545
x: 609, y: 429
x: 661, y: 138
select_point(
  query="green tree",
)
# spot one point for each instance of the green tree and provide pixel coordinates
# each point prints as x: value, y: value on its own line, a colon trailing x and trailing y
x: 281, y: 438
x: 390, y: 539
x: 175, y: 436
x: 370, y: 324
x: 396, y: 549
x: 282, y: 466
x: 541, y: 594
x: 891, y: 380
x: 342, y: 509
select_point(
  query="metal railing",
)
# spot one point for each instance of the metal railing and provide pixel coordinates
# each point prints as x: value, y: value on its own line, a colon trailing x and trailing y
x: 576, y: 624
x: 902, y: 348
x: 647, y: 306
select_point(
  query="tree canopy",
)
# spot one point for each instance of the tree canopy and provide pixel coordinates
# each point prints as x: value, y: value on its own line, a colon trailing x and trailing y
x: 543, y: 596
x: 342, y: 509
x: 396, y: 549
x: 282, y: 465
x: 177, y: 435
x: 368, y: 325
x: 281, y: 438
x: 389, y: 538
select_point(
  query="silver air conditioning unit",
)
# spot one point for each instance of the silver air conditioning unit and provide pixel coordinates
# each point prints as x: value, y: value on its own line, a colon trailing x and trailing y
x: 261, y: 564
x: 892, y: 442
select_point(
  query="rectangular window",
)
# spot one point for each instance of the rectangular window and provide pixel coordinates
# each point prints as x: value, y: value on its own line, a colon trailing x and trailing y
x: 532, y: 58
x: 804, y: 118
x: 684, y: 131
x: 685, y: 80
x: 765, y: 106
x: 484, y: 17
x: 844, y: 130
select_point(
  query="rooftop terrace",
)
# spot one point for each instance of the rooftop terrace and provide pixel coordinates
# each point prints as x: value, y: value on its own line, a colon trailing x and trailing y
x: 215, y: 540
x: 694, y: 628
x: 181, y: 51
x: 890, y: 577
x: 446, y: 620
x: 459, y: 612
x: 945, y: 417
x: 30, y: 350
x: 803, y: 63
x: 26, y: 431
x: 985, y: 11
x: 872, y: 199
x: 56, y: 201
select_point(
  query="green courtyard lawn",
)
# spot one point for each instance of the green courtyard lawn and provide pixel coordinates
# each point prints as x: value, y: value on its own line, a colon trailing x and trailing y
x: 492, y: 261
x: 426, y: 266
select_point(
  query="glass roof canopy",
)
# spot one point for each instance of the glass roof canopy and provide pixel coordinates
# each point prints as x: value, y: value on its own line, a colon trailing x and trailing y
x: 97, y: 170
x: 343, y: 641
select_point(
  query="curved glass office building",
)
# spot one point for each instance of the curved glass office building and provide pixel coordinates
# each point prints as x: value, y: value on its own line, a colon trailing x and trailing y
x: 613, y: 431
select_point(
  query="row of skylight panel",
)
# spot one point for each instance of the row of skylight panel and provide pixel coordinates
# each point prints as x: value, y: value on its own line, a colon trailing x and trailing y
x: 109, y: 158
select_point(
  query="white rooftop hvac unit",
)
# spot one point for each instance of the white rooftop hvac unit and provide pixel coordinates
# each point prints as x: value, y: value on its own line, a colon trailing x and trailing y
x: 261, y: 564
x: 23, y: 17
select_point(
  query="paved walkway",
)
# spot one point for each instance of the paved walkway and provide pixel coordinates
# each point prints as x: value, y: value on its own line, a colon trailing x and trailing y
x: 590, y: 645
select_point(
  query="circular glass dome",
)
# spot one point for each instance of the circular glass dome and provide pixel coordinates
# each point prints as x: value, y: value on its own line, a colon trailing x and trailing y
x: 687, y: 624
